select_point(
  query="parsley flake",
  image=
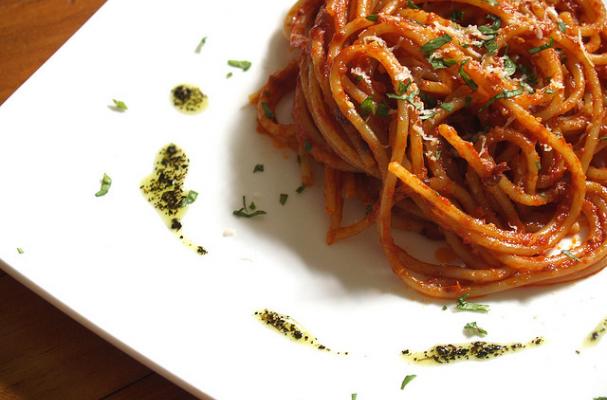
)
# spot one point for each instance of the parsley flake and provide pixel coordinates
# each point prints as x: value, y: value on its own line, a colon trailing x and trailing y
x: 435, y: 44
x: 20, y: 250
x: 307, y: 146
x: 463, y: 305
x: 119, y: 105
x: 300, y: 189
x: 258, y: 168
x: 571, y: 255
x: 465, y: 77
x: 406, y: 381
x: 106, y: 183
x: 509, y: 66
x: 472, y: 329
x: 368, y: 107
x: 441, y: 63
x: 372, y: 17
x: 403, y: 87
x: 283, y: 198
x: 248, y: 212
x: 354, y: 396
x: 504, y: 94
x: 200, y: 45
x: 229, y: 75
x: 562, y: 26
x: 412, y: 5
x: 242, y: 64
x: 535, y: 50
x: 190, y: 198
x: 267, y: 111
x: 447, y: 106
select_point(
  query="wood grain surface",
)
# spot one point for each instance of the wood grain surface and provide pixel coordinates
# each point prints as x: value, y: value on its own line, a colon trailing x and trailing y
x: 43, y: 353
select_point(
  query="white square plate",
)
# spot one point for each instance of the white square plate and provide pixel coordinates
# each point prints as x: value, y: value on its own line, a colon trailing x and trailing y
x: 112, y: 264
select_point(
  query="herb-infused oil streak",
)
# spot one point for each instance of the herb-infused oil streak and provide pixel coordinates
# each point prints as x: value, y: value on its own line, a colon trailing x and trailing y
x: 290, y: 328
x: 480, y: 350
x: 189, y: 99
x: 163, y: 188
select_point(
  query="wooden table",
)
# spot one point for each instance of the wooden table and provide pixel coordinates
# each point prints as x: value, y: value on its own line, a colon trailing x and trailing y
x: 43, y: 353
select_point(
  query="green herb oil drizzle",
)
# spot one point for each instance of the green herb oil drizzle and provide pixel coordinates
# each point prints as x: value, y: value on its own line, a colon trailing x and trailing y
x: 189, y: 99
x: 163, y: 188
x: 596, y: 335
x: 290, y: 328
x: 480, y: 350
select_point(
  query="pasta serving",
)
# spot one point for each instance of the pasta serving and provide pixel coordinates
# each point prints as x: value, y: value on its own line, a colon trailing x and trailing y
x: 480, y: 122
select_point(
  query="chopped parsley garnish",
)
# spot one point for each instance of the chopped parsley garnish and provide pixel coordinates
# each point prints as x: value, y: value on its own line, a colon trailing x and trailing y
x: 530, y: 76
x: 372, y: 17
x: 229, y: 75
x: 457, y: 16
x: 472, y: 329
x: 106, y: 182
x: 20, y: 250
x: 267, y: 111
x: 368, y: 107
x: 504, y: 94
x: 307, y: 146
x: 444, y: 308
x: 535, y: 50
x: 447, y: 106
x: 491, y: 30
x: 600, y: 398
x: 190, y: 198
x: 403, y: 87
x: 200, y: 45
x: 509, y: 66
x: 435, y: 44
x: 463, y: 305
x: 490, y: 45
x: 466, y: 78
x: 119, y: 105
x: 242, y: 64
x: 354, y: 396
x: 300, y: 189
x: 245, y: 212
x: 283, y: 198
x: 412, y: 5
x: 527, y: 87
x: 406, y: 381
x: 441, y: 63
x: 570, y: 255
x: 562, y: 26
x: 258, y: 168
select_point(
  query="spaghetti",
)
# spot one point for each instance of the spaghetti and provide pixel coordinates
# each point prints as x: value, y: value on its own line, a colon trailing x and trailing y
x: 480, y: 122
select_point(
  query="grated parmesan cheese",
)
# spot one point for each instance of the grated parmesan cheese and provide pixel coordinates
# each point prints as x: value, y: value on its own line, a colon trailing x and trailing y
x: 404, y: 74
x: 359, y: 72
